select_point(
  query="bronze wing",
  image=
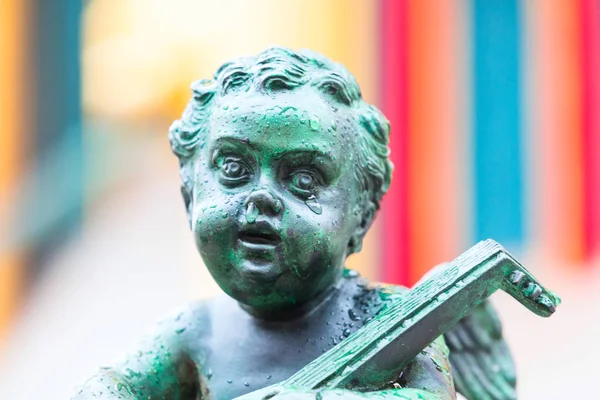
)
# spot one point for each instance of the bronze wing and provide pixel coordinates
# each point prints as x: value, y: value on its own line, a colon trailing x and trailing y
x: 482, y: 365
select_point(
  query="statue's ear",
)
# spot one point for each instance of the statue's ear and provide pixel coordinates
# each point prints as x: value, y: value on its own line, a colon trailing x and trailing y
x: 365, y: 221
x: 187, y: 201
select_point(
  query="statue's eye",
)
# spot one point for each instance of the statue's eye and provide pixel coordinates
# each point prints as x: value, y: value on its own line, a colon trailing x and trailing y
x: 233, y: 171
x: 303, y: 182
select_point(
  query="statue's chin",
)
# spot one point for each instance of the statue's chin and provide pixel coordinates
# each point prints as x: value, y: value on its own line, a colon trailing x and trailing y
x: 271, y: 304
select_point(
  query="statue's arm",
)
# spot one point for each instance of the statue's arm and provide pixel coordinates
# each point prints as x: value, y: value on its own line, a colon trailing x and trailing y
x: 159, y: 368
x: 428, y: 377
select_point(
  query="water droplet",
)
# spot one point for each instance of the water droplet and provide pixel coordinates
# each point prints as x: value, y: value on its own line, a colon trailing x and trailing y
x: 314, y: 123
x: 246, y: 384
x: 346, y: 332
x: 209, y: 374
x: 353, y: 316
x: 277, y: 206
x: 180, y: 330
x: 268, y: 376
x: 313, y: 205
x: 437, y: 364
x: 251, y: 213
x: 229, y: 381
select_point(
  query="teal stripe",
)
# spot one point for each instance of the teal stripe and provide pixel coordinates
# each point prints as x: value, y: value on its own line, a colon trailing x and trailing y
x: 57, y: 201
x: 497, y: 141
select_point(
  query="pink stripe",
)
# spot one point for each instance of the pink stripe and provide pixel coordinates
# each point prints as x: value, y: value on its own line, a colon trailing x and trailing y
x: 590, y: 65
x: 394, y: 32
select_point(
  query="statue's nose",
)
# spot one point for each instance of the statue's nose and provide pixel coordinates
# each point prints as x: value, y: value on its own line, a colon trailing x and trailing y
x: 264, y: 202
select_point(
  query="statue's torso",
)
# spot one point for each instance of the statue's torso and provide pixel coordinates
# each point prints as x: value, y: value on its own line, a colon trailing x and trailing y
x: 237, y: 353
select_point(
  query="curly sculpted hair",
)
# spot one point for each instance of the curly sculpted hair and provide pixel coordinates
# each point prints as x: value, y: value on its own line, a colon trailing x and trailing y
x: 277, y: 69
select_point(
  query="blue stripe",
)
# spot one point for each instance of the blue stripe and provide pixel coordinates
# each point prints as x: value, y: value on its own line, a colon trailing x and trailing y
x: 57, y: 204
x: 497, y: 162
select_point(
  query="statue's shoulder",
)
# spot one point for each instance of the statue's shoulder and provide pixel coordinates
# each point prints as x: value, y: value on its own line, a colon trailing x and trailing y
x: 190, y: 320
x: 389, y: 291
x: 371, y: 295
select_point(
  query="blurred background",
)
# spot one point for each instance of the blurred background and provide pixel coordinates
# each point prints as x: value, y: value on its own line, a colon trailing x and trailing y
x: 495, y: 111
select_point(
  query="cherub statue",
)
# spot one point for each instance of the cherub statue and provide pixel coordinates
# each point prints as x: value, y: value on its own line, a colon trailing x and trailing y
x: 283, y: 167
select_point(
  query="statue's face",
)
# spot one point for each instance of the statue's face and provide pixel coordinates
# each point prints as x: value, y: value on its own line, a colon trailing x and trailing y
x: 275, y: 200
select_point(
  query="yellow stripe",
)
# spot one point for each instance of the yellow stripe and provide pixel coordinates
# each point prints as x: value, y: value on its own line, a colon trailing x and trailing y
x: 12, y: 48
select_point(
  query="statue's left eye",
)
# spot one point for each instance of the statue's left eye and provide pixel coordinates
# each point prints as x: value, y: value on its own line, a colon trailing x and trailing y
x: 304, y: 183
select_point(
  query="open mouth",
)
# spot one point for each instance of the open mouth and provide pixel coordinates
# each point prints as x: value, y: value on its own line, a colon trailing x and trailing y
x: 259, y: 237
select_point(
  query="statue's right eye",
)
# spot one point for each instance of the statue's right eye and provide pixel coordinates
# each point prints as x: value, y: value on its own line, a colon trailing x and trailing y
x: 233, y: 171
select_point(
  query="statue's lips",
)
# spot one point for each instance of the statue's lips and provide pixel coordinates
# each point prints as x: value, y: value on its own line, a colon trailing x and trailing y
x: 259, y: 237
x: 259, y: 242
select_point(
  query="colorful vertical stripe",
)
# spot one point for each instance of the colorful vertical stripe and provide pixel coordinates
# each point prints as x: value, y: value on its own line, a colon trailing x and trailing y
x: 394, y: 103
x: 554, y: 84
x: 511, y: 89
x: 497, y: 151
x: 590, y: 74
x: 13, y: 139
x: 435, y: 112
x: 422, y: 75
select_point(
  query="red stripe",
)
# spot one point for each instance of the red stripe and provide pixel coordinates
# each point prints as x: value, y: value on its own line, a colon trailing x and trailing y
x: 394, y: 85
x: 590, y: 64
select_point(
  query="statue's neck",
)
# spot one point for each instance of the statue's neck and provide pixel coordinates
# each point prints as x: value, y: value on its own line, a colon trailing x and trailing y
x: 296, y: 311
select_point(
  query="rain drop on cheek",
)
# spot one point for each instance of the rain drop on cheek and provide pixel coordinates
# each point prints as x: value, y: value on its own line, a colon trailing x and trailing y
x: 313, y: 204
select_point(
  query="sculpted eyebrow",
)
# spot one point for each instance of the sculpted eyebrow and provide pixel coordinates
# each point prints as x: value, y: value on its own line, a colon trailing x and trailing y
x: 323, y: 162
x: 225, y: 141
x: 230, y: 143
x: 305, y: 154
x: 224, y: 145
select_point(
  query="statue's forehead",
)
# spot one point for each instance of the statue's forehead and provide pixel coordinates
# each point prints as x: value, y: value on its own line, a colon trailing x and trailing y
x: 296, y: 104
x: 287, y: 122
x: 304, y: 109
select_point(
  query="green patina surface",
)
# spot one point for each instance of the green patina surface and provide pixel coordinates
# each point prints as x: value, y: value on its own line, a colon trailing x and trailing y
x: 283, y: 167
